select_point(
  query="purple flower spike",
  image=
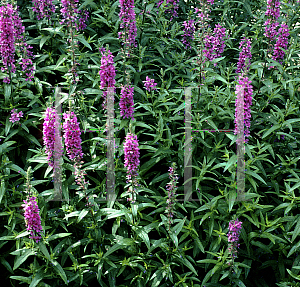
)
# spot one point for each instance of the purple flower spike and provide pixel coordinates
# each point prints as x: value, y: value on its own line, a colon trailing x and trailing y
x: 32, y: 218
x: 72, y: 137
x: 126, y: 102
x: 149, y: 84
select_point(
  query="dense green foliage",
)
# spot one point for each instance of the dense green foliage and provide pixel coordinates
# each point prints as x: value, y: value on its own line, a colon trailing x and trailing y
x: 121, y: 244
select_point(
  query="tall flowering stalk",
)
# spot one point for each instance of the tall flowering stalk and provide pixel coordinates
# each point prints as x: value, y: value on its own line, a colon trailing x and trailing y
x: 11, y: 30
x: 128, y: 23
x: 273, y: 13
x: 170, y: 4
x: 126, y: 102
x: 31, y: 212
x: 72, y: 136
x: 75, y: 20
x: 43, y: 8
x: 32, y: 218
x: 214, y: 44
x: 131, y: 161
x: 107, y: 73
x: 282, y: 42
x: 244, y: 90
x: 244, y: 57
x: 49, y: 134
x: 73, y: 146
x: 235, y: 227
x: 189, y: 30
x: 171, y: 200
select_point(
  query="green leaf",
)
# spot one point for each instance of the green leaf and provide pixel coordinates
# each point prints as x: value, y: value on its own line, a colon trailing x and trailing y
x: 181, y: 107
x: 178, y: 227
x: 44, y: 250
x: 6, y: 264
x: 296, y: 231
x: 2, y: 190
x: 262, y: 246
x: 231, y: 161
x: 59, y: 235
x: 23, y: 258
x: 187, y: 264
x: 7, y: 92
x: 21, y: 278
x: 218, y: 77
x: 249, y: 172
x: 23, y: 234
x: 275, y: 127
x: 82, y: 214
x: 140, y: 231
x: 159, y: 50
x: 38, y: 277
x: 232, y: 197
x: 59, y: 270
x: 44, y: 40
x: 16, y: 168
x: 61, y: 59
x: 112, y: 249
x: 84, y: 42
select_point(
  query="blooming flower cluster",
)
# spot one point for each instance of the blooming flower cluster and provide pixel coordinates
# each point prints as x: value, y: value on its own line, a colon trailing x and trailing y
x: 107, y: 73
x: 171, y: 188
x: 245, y: 56
x: 214, y: 45
x: 32, y: 218
x: 11, y: 30
x: 126, y: 102
x: 233, y: 236
x: 26, y: 61
x: 189, y: 30
x: 49, y: 133
x: 270, y: 29
x: 127, y: 16
x: 149, y: 84
x: 203, y: 14
x: 72, y: 136
x: 42, y: 8
x: 244, y: 93
x: 71, y: 15
x: 171, y: 4
x: 15, y: 117
x: 131, y: 155
x: 273, y: 9
x: 282, y: 42
x: 273, y: 12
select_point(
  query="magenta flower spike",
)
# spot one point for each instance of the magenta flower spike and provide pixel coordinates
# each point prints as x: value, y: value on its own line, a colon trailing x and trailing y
x: 128, y: 22
x: 107, y: 74
x: 214, y: 44
x: 49, y: 134
x: 245, y: 87
x: 149, y: 84
x: 126, y: 102
x: 171, y: 4
x: 32, y: 218
x: 245, y: 56
x: 189, y: 30
x: 72, y: 137
x: 233, y: 236
x: 71, y: 15
x: 131, y: 155
x: 282, y: 42
x: 43, y: 8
